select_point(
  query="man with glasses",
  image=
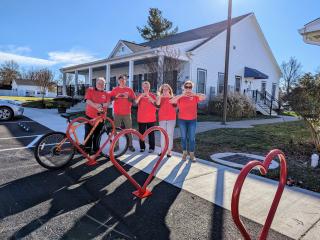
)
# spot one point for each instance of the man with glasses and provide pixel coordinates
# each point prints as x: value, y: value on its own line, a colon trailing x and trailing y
x: 123, y: 98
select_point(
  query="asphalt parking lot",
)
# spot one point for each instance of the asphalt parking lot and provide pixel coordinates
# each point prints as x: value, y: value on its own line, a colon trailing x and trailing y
x: 95, y: 202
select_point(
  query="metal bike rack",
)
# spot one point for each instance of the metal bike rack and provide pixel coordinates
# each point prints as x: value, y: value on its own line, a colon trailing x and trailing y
x: 263, y: 167
x: 142, y: 191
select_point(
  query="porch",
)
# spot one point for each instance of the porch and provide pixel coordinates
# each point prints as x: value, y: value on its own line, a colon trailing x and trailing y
x: 152, y: 67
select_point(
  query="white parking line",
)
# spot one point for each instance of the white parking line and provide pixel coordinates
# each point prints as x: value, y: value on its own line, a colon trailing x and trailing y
x: 30, y: 145
x: 34, y: 141
x: 20, y: 137
x: 11, y: 149
x: 17, y: 122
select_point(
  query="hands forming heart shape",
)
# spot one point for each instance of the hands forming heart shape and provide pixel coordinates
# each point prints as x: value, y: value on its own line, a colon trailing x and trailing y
x: 263, y: 167
x: 141, y: 191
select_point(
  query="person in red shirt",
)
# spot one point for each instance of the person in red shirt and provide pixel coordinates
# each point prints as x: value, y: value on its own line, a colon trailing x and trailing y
x: 187, y: 118
x: 97, y: 100
x: 166, y: 114
x: 146, y: 115
x: 123, y: 98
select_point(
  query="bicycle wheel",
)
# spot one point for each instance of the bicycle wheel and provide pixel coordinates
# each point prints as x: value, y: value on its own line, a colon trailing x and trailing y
x: 120, y: 148
x: 54, y: 150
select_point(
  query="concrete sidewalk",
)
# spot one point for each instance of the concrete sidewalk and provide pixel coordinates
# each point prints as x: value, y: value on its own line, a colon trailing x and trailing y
x: 298, y: 214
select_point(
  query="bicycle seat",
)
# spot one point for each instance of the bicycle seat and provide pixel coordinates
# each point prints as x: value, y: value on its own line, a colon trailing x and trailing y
x: 68, y: 116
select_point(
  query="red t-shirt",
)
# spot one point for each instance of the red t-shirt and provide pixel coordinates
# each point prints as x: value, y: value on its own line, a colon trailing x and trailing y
x: 122, y: 105
x: 188, y: 107
x: 96, y: 97
x: 167, y: 111
x: 147, y: 110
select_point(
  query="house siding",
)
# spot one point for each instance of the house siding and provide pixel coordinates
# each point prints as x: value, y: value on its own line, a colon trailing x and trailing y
x: 250, y: 50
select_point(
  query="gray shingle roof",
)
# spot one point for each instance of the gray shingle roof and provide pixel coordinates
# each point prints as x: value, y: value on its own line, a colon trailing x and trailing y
x: 25, y: 82
x: 135, y: 47
x: 208, y: 31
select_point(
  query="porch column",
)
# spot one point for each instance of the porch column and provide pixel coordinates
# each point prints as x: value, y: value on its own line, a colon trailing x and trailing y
x: 160, y: 70
x: 108, y: 77
x: 131, y: 70
x: 64, y: 84
x: 90, y: 76
x: 76, y: 83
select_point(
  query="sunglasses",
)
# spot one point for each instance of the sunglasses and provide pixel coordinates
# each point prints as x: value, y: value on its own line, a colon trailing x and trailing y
x: 188, y: 87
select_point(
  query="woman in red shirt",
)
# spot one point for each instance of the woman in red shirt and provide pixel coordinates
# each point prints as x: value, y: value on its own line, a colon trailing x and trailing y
x: 188, y: 105
x: 166, y: 114
x: 97, y: 100
x: 146, y: 115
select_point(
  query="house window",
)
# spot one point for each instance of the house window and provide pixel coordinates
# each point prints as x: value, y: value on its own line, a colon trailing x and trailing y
x: 137, y: 82
x: 113, y: 82
x: 152, y: 79
x: 238, y: 84
x: 220, y: 82
x: 201, y: 80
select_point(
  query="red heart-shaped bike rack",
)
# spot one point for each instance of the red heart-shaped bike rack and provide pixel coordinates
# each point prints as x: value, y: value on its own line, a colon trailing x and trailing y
x: 71, y: 130
x: 141, y: 191
x: 263, y: 167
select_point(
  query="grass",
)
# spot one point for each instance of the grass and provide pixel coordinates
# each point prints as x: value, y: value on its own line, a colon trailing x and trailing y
x: 291, y: 137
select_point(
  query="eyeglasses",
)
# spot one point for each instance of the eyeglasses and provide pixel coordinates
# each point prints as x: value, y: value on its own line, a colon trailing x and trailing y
x: 188, y: 87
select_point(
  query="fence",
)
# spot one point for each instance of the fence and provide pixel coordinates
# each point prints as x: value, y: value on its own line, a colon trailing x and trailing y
x: 7, y: 92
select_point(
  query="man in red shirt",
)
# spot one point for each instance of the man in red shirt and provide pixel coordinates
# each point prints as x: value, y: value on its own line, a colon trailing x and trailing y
x: 97, y: 100
x: 123, y: 98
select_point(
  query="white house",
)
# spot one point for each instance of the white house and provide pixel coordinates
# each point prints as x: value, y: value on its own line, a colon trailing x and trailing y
x: 27, y: 88
x: 253, y: 68
x: 311, y: 32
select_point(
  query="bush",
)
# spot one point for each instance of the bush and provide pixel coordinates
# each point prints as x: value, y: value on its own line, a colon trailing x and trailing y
x: 238, y: 106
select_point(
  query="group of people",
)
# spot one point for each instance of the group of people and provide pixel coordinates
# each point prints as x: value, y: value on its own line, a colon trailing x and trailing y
x: 123, y: 97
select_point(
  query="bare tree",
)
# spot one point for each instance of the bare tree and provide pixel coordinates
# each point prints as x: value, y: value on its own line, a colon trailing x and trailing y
x: 44, y: 80
x: 9, y: 71
x: 291, y: 72
x: 170, y: 66
x: 31, y: 74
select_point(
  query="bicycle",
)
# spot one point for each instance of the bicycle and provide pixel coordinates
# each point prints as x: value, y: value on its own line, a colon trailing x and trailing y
x: 55, y: 150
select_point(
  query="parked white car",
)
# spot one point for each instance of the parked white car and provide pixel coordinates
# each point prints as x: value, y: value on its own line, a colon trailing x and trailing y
x: 10, y: 109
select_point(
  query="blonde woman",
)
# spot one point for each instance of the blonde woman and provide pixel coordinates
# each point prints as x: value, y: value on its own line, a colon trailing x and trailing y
x: 166, y: 114
x: 188, y: 107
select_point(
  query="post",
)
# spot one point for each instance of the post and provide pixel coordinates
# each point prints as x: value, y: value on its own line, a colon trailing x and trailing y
x: 131, y: 70
x: 160, y: 70
x: 76, y: 83
x: 64, y: 83
x: 90, y: 76
x: 108, y: 77
x: 226, y: 65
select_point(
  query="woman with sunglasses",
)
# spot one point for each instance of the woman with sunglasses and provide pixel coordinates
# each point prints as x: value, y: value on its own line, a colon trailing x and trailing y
x: 166, y: 115
x: 187, y: 118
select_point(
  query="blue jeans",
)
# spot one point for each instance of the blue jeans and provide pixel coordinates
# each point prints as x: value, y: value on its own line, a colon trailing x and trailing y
x: 188, y: 134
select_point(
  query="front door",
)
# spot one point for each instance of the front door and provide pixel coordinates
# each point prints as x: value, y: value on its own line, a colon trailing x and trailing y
x: 263, y: 87
x: 274, y: 89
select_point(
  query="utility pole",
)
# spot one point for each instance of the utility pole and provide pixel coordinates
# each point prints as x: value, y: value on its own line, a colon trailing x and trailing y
x: 226, y: 65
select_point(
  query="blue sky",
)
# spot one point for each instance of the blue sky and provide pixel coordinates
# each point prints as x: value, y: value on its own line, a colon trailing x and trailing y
x: 59, y: 33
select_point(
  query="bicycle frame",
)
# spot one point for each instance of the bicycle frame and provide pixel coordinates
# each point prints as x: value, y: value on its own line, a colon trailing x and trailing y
x: 76, y: 123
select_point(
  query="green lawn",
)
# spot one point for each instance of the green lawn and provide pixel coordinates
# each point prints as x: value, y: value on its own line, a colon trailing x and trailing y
x: 291, y: 137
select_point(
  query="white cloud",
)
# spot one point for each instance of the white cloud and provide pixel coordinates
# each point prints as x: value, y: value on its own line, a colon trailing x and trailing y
x: 25, y: 60
x: 11, y: 48
x: 18, y: 54
x: 71, y: 57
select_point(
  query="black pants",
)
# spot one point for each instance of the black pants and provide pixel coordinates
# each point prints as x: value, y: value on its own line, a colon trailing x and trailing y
x: 91, y: 144
x: 142, y: 128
